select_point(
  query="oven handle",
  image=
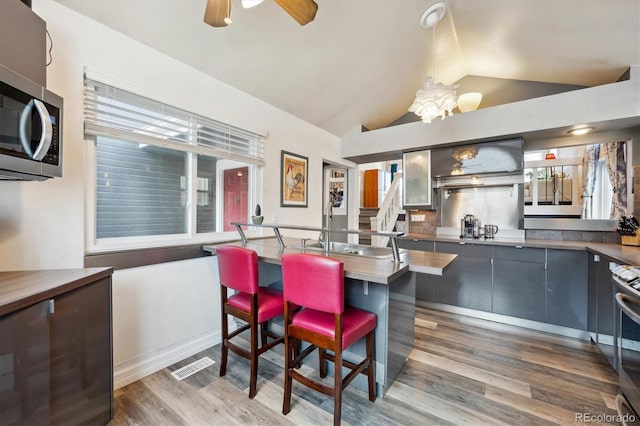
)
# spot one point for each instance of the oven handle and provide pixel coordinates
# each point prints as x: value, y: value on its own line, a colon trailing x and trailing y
x: 621, y: 300
x: 47, y: 129
x: 621, y: 405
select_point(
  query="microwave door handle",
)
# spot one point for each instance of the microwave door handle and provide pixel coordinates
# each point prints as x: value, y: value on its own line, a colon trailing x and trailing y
x: 47, y: 129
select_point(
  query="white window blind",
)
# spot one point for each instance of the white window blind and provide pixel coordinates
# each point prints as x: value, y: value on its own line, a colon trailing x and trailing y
x: 119, y: 114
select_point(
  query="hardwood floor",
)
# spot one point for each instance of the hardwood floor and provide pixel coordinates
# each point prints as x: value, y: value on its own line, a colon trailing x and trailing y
x: 462, y: 371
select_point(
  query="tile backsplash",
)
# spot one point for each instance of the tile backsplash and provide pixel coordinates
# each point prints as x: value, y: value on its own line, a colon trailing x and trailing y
x: 421, y: 221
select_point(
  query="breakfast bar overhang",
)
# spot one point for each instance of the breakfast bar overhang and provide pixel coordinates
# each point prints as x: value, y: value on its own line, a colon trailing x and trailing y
x: 378, y: 285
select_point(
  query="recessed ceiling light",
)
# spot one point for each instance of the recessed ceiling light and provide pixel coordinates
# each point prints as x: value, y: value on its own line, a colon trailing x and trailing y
x: 580, y: 131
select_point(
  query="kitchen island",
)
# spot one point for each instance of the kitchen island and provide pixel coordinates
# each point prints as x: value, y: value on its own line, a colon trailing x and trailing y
x: 376, y: 284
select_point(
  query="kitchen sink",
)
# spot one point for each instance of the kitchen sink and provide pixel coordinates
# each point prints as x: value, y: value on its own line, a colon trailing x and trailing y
x: 354, y: 249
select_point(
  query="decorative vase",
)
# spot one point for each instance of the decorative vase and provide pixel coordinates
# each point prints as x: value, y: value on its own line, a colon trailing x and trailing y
x: 257, y: 220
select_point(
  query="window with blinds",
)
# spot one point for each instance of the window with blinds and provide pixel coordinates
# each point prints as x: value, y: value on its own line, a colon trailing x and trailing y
x: 156, y: 166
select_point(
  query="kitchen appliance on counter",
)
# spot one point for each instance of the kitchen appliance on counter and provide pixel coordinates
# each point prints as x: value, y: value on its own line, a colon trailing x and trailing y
x: 490, y: 231
x: 469, y: 227
x: 626, y: 342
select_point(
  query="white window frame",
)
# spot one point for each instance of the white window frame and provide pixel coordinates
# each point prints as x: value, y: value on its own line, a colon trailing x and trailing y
x: 93, y: 245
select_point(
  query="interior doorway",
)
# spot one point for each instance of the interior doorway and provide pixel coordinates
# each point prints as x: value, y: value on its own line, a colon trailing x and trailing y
x: 236, y: 197
x: 335, y: 192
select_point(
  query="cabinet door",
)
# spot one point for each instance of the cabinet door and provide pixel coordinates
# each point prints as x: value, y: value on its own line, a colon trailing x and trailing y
x: 567, y: 288
x: 519, y: 286
x: 424, y: 282
x: 467, y: 281
x: 24, y: 366
x: 81, y: 356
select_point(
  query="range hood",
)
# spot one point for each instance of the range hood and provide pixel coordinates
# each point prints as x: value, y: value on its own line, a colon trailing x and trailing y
x: 503, y: 157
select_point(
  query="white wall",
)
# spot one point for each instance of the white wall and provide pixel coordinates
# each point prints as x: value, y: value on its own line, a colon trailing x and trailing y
x: 161, y: 312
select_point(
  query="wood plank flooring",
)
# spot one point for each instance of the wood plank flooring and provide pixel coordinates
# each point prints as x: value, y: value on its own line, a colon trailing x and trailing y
x: 462, y: 371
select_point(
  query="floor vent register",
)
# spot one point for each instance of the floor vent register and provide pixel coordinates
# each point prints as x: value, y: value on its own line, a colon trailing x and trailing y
x: 193, y: 368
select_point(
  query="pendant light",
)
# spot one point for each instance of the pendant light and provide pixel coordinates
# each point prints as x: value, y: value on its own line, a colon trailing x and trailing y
x: 435, y: 99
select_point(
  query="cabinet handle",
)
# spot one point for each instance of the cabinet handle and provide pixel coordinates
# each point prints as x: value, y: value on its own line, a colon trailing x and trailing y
x: 51, y: 308
x: 518, y: 247
x: 462, y: 243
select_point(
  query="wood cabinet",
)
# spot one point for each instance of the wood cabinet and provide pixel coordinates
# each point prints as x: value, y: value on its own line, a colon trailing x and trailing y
x: 56, y: 362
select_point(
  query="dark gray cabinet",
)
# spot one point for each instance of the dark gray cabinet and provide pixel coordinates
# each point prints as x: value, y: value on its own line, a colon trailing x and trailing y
x: 554, y: 286
x: 601, y: 304
x: 567, y: 288
x: 25, y: 366
x: 467, y: 282
x: 56, y: 362
x: 424, y: 282
x: 519, y: 282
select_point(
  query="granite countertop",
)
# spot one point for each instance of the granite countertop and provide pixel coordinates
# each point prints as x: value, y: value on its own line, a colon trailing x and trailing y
x: 382, y: 271
x: 617, y: 252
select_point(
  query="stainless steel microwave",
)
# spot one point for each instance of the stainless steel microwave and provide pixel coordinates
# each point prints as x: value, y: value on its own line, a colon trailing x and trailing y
x: 30, y: 129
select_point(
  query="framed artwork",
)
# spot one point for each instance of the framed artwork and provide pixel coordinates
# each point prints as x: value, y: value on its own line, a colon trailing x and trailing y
x: 293, y: 180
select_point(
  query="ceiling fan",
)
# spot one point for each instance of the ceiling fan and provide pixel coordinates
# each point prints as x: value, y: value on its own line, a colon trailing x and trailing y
x: 218, y: 12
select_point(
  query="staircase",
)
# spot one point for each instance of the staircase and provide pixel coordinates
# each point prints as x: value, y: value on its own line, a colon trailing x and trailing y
x: 364, y: 223
x: 385, y: 220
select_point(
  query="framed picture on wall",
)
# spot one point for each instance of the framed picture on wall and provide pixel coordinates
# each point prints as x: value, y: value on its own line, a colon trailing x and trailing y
x: 293, y: 180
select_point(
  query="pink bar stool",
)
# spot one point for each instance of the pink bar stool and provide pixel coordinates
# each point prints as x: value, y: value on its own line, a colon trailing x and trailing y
x: 238, y: 268
x: 314, y: 312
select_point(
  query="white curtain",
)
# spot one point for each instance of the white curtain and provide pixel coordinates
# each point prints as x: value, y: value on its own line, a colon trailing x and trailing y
x: 589, y: 164
x: 614, y: 154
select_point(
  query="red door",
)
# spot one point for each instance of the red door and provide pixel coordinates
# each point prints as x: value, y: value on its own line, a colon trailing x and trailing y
x: 236, y: 197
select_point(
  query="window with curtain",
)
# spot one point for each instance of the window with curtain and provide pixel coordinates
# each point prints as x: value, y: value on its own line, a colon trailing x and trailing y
x: 158, y: 169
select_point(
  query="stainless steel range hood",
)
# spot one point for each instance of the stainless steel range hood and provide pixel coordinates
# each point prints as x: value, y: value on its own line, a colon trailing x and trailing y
x: 488, y: 158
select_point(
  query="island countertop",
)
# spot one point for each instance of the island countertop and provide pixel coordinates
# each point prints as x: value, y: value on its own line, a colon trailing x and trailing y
x: 383, y: 271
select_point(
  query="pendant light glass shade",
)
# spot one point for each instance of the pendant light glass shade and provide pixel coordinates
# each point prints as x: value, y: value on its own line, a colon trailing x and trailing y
x: 469, y: 101
x: 247, y: 4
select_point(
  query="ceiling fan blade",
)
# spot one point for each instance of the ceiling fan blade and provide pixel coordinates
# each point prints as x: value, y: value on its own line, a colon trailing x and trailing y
x: 303, y: 11
x: 217, y: 12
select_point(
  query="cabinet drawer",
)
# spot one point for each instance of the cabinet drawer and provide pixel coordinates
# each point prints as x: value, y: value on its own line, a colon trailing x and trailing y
x: 524, y: 254
x: 409, y: 244
x: 466, y: 249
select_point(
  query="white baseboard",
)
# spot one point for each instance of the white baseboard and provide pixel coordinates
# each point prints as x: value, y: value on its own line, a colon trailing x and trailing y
x: 149, y: 363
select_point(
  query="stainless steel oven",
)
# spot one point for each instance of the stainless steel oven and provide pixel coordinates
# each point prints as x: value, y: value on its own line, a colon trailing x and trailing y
x: 626, y: 281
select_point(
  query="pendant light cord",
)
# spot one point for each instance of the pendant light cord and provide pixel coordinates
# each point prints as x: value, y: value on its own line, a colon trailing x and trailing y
x: 433, y: 73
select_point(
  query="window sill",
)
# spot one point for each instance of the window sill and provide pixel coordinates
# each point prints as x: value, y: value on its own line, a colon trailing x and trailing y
x: 136, y: 257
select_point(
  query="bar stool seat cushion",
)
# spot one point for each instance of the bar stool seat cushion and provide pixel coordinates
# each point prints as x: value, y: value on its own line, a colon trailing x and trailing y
x: 356, y: 323
x: 270, y: 303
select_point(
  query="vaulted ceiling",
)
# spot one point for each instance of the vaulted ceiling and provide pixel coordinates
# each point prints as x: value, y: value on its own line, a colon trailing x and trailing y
x: 360, y: 62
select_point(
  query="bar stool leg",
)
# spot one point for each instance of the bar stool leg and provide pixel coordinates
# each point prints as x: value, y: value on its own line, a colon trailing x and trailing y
x: 224, y: 348
x: 288, y: 362
x: 323, y: 362
x: 337, y: 388
x: 370, y: 369
x: 254, y: 361
x: 263, y: 333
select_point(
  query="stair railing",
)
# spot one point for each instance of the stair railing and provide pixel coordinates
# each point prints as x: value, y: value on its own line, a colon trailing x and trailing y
x: 387, y: 216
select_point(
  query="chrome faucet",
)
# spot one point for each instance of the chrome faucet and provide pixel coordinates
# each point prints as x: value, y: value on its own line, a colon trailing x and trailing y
x: 323, y: 239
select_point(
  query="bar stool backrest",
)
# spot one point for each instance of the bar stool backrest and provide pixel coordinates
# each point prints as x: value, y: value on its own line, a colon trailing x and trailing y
x: 315, y: 282
x: 238, y: 268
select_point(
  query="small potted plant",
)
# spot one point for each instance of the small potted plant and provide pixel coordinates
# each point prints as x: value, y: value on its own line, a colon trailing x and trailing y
x: 257, y: 218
